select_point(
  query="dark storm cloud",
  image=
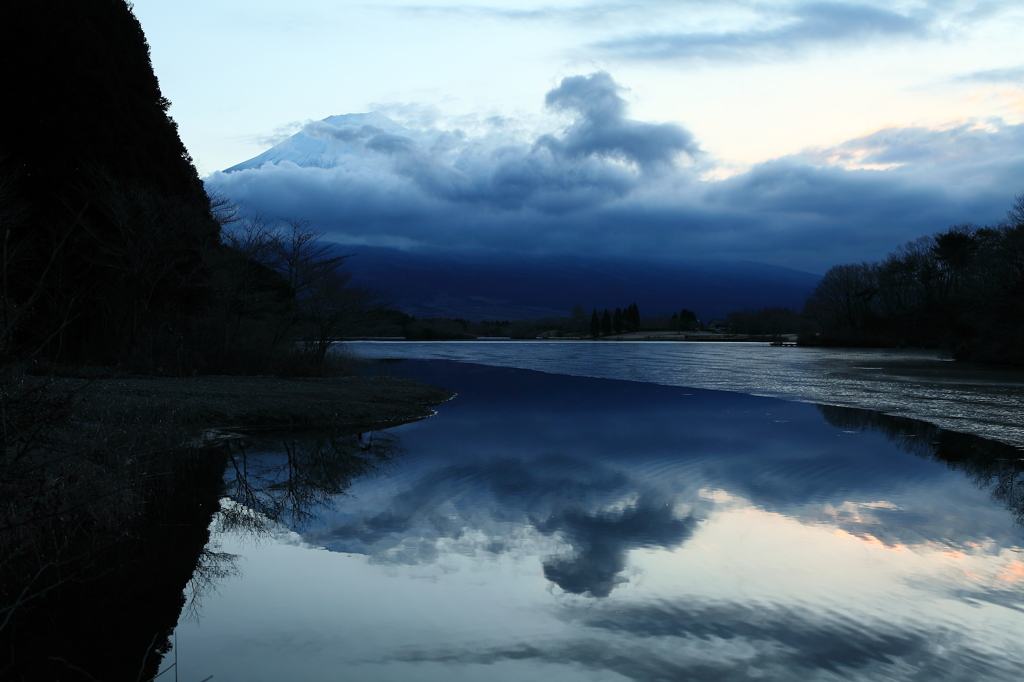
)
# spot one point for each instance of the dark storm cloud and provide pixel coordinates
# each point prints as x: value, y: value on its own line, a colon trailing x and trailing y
x: 606, y: 185
x: 581, y: 167
x: 938, y: 178
x: 603, y: 130
x: 804, y: 25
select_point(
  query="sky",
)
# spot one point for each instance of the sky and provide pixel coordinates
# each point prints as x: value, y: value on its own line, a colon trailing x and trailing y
x: 801, y: 134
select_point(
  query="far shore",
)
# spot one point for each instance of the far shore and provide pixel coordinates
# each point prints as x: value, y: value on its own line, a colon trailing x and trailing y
x: 626, y: 336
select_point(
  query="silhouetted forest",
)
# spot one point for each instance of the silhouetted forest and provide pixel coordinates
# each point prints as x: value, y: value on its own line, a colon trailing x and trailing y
x: 961, y: 289
x: 764, y: 323
x: 115, y: 260
x: 113, y: 253
x: 105, y: 220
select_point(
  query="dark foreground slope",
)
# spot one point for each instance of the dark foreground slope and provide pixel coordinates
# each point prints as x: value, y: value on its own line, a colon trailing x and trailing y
x: 106, y: 218
x: 112, y: 256
x: 108, y: 503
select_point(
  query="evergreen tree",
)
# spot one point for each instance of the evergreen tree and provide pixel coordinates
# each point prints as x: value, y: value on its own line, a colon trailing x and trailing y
x: 617, y: 323
x: 595, y: 325
x: 632, y: 317
x: 606, y: 323
x: 675, y: 321
x: 687, y: 319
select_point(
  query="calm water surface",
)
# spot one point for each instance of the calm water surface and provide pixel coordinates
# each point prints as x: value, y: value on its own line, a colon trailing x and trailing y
x: 551, y: 526
x: 983, y: 400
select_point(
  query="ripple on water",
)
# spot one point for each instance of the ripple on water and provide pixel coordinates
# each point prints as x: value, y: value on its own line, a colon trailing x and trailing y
x: 987, y: 402
x: 558, y: 528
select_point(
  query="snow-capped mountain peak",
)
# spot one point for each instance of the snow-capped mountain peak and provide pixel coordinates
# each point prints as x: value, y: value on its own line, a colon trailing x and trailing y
x: 330, y: 142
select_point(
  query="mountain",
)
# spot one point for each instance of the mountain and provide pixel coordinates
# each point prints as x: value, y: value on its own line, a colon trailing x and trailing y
x: 487, y: 285
x: 475, y: 286
x: 322, y: 144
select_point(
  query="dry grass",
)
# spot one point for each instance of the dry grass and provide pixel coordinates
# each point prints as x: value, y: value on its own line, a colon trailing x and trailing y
x: 251, y: 403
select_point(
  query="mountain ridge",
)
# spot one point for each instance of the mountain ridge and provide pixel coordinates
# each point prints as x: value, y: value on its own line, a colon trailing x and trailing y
x: 479, y: 284
x: 324, y: 150
x: 492, y: 286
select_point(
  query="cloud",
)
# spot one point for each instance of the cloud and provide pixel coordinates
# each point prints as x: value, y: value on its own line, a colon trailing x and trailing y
x: 601, y: 156
x: 523, y: 491
x: 726, y: 641
x: 609, y: 185
x: 601, y: 541
x: 973, y: 141
x: 591, y: 162
x: 804, y: 25
x: 1013, y: 74
x: 281, y: 133
x: 602, y: 130
x: 561, y: 497
x: 577, y: 14
x: 798, y: 639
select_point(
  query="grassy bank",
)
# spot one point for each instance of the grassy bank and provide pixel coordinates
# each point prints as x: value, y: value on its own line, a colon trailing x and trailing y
x: 109, y: 486
x: 198, y: 406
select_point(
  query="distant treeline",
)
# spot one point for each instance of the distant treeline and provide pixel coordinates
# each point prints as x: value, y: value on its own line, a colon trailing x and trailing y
x: 601, y: 323
x: 962, y: 289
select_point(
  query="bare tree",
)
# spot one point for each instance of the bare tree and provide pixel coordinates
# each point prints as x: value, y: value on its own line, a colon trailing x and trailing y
x: 845, y: 297
x: 328, y: 303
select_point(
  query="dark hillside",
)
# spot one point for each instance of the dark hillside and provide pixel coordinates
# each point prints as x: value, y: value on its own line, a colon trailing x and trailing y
x: 81, y: 91
x: 105, y: 216
x: 515, y: 287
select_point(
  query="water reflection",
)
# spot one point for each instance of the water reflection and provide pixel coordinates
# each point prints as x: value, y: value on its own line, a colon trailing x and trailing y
x: 600, y: 541
x: 104, y: 584
x: 291, y: 480
x: 556, y: 527
x: 987, y: 401
x: 990, y: 465
x: 639, y: 466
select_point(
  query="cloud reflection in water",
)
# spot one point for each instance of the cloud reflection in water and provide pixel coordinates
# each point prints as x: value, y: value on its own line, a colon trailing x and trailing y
x: 680, y: 534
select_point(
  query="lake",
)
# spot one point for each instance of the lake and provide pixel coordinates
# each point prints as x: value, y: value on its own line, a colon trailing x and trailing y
x: 599, y: 511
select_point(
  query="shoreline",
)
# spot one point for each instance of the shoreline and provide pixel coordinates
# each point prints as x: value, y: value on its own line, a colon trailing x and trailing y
x: 625, y: 336
x: 984, y: 400
x: 213, y: 407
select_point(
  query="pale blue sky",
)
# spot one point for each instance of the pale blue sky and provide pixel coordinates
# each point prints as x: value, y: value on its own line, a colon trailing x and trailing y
x: 752, y: 80
x: 930, y: 92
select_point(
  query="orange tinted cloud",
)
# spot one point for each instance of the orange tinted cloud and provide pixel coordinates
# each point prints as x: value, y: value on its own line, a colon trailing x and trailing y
x: 1013, y: 572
